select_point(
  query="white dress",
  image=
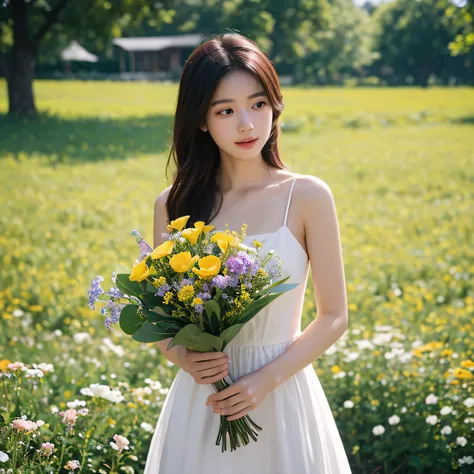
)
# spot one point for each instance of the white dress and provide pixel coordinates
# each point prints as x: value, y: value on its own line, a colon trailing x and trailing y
x: 299, y: 434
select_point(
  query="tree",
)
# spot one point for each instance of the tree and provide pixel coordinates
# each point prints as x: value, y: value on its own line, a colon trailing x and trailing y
x: 462, y: 14
x: 28, y: 25
x: 343, y: 47
x: 413, y: 39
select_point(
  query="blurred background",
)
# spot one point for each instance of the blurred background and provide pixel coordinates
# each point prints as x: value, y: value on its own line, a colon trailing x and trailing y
x: 379, y: 103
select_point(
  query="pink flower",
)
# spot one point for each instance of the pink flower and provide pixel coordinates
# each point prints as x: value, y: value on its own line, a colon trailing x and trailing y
x: 24, y: 425
x: 69, y: 417
x: 47, y: 448
x: 120, y: 444
x: 15, y: 366
x: 72, y: 465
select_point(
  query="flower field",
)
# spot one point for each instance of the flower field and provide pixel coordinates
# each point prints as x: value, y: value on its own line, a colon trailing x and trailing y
x: 78, y: 397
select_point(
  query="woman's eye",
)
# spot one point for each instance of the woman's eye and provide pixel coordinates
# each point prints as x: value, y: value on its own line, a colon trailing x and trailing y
x: 225, y: 110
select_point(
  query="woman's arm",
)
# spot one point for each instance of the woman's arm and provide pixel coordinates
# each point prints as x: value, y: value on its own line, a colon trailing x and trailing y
x: 160, y: 222
x: 315, y: 200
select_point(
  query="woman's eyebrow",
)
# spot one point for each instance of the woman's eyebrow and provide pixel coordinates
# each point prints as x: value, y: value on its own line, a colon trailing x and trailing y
x: 221, y: 101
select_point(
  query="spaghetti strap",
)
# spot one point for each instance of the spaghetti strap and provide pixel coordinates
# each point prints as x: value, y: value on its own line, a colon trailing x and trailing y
x: 289, y: 200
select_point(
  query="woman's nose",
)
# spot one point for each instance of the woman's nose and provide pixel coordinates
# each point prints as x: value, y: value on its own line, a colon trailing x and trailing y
x: 246, y: 124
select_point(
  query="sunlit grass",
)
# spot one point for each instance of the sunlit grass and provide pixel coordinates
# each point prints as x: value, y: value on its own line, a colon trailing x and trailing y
x: 400, y: 165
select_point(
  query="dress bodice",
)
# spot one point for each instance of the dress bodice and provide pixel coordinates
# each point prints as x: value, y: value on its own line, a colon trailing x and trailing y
x: 280, y: 321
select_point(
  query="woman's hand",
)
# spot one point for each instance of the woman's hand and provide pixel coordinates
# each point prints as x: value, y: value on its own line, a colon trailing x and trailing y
x: 242, y: 396
x: 205, y: 367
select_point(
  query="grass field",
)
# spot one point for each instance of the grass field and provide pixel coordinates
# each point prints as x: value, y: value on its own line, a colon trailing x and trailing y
x: 400, y: 164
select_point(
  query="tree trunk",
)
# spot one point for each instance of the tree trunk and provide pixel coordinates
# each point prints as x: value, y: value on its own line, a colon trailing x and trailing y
x: 20, y: 72
x: 20, y: 64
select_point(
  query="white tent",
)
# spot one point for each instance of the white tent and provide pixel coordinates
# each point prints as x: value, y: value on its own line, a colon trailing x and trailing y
x: 75, y: 52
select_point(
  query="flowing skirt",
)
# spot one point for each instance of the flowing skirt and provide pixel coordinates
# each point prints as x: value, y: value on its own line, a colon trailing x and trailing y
x: 299, y: 434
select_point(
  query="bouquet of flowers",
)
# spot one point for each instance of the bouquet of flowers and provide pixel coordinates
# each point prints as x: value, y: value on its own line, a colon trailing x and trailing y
x: 198, y: 288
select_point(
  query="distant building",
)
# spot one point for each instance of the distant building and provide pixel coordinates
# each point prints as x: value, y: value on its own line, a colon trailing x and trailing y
x: 155, y: 54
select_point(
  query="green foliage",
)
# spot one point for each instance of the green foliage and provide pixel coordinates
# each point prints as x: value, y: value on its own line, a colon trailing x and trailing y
x: 130, y: 320
x: 192, y: 337
x: 78, y: 179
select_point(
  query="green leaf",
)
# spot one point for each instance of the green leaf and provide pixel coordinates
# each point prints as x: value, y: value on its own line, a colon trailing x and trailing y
x: 228, y: 334
x: 130, y: 320
x: 277, y: 283
x: 150, y: 332
x: 256, y: 306
x: 196, y: 340
x: 150, y: 288
x: 150, y: 299
x: 213, y: 311
x: 283, y: 288
x: 155, y: 317
x: 218, y: 294
x: 163, y: 309
x: 414, y: 461
x: 130, y: 288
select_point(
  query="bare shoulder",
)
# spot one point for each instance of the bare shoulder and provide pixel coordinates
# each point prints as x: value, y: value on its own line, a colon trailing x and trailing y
x: 313, y: 198
x: 160, y: 219
x: 163, y: 196
x: 309, y: 187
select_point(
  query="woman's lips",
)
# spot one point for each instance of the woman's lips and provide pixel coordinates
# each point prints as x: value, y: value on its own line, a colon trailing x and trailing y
x: 247, y: 144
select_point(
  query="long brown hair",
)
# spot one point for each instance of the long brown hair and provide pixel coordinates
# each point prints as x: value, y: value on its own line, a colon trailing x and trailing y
x: 195, y: 153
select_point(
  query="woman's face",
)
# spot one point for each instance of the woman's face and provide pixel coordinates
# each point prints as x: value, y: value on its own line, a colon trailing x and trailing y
x: 234, y: 117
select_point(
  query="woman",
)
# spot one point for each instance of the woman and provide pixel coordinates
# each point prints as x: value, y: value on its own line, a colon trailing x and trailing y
x: 229, y: 94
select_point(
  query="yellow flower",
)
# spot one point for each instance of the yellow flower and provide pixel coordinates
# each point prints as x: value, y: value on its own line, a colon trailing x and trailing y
x: 202, y: 227
x: 223, y: 240
x: 168, y: 297
x: 191, y: 235
x: 462, y: 374
x: 159, y: 281
x: 163, y: 249
x: 208, y: 266
x: 182, y: 262
x: 257, y: 244
x: 467, y: 364
x: 178, y: 224
x: 197, y: 300
x: 3, y: 364
x: 186, y: 293
x: 335, y: 369
x: 140, y: 271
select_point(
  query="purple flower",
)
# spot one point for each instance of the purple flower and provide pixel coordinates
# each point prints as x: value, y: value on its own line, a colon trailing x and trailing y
x: 115, y: 293
x: 253, y: 268
x: 144, y: 247
x: 234, y: 281
x: 204, y: 295
x: 273, y: 271
x: 186, y: 281
x: 235, y: 265
x: 221, y: 281
x: 112, y: 312
x: 242, y: 263
x: 199, y: 308
x: 162, y: 289
x: 95, y: 291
